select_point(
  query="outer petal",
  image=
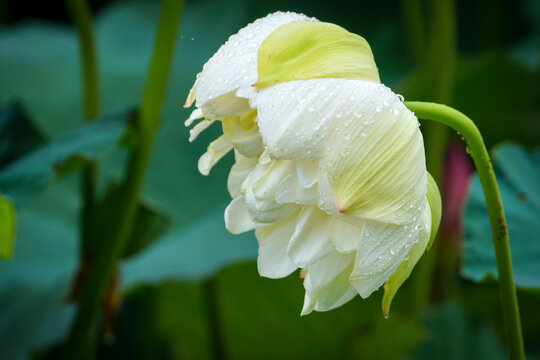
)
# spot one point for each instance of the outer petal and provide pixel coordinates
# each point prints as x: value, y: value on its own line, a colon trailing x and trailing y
x: 392, y: 285
x: 381, y: 249
x: 273, y: 261
x: 234, y: 66
x: 374, y: 156
x: 311, y: 238
x: 237, y: 219
x: 216, y: 150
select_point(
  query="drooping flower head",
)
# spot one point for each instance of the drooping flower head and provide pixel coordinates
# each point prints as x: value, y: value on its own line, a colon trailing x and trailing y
x: 330, y: 167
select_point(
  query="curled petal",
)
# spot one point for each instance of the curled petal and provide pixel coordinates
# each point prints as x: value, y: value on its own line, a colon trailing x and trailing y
x: 243, y: 132
x: 303, y: 50
x: 435, y: 205
x: 216, y: 150
x: 260, y: 190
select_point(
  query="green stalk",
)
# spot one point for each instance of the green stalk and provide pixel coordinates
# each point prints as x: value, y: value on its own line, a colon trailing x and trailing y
x: 459, y: 122
x: 440, y: 63
x: 81, y: 338
x: 82, y: 18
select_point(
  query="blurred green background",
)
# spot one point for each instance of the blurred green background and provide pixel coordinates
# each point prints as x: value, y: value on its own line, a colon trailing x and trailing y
x: 193, y: 292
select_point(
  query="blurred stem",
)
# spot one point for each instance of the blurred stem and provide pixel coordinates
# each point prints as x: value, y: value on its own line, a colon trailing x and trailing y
x: 81, y: 338
x: 440, y: 63
x: 82, y: 18
x: 458, y: 121
x: 413, y: 20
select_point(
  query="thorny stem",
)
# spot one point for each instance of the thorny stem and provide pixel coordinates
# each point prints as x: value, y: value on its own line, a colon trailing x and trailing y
x: 81, y: 338
x: 507, y: 290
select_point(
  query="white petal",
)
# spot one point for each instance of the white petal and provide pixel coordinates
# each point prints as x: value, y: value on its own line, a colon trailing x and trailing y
x: 345, y: 236
x: 260, y: 191
x: 273, y: 261
x: 327, y: 283
x: 311, y: 238
x: 197, y: 129
x: 290, y: 191
x: 381, y: 250
x: 216, y: 150
x: 307, y: 172
x: 234, y: 65
x: 195, y: 114
x: 294, y: 117
x: 239, y: 171
x: 237, y: 219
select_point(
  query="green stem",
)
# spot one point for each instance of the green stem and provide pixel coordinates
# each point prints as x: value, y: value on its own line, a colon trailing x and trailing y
x: 81, y: 338
x: 82, y: 18
x: 459, y: 122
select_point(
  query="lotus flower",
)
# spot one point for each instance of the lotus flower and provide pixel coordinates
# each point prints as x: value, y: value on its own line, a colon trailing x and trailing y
x: 330, y: 167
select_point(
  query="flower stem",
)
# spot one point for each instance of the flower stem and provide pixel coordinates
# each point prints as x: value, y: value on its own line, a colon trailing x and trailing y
x: 460, y: 122
x: 81, y: 338
x: 82, y: 18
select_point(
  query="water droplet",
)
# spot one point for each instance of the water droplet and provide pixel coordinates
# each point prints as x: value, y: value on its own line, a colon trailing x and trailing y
x: 378, y: 108
x: 339, y: 114
x: 311, y: 108
x: 401, y: 98
x: 468, y: 150
x: 364, y: 132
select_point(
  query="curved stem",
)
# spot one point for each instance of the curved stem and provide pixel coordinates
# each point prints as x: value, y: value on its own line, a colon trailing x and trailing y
x: 81, y: 338
x: 460, y: 122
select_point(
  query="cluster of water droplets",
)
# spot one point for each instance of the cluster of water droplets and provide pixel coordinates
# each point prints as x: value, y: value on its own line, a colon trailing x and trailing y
x: 235, y: 63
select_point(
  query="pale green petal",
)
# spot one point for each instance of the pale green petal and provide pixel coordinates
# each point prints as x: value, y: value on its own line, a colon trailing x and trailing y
x: 243, y: 133
x: 311, y: 238
x: 435, y: 203
x: 392, y: 285
x: 374, y: 157
x: 304, y: 50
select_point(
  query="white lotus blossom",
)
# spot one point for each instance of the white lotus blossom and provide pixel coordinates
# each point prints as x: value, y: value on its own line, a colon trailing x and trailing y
x: 329, y: 164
